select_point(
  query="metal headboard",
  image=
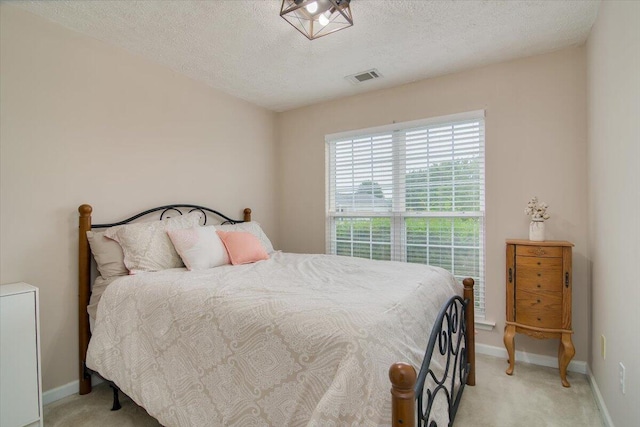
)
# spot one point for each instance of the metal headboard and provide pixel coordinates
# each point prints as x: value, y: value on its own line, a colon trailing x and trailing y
x: 84, y: 269
x: 177, y: 208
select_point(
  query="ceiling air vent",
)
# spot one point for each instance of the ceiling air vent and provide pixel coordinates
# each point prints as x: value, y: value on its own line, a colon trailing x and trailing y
x: 364, y: 76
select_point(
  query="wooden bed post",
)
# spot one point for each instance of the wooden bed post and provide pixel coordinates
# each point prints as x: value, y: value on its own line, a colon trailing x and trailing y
x: 84, y: 273
x: 403, y: 396
x: 247, y: 215
x: 471, y: 329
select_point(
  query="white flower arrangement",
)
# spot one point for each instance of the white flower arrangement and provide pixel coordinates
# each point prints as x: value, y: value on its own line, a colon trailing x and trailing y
x: 537, y: 211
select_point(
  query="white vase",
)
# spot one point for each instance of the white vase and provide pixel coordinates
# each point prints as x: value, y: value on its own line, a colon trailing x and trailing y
x: 536, y: 231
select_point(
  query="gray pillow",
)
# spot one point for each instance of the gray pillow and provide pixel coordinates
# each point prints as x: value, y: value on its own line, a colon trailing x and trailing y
x: 108, y: 255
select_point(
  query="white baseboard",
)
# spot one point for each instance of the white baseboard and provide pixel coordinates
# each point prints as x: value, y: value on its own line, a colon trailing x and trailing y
x: 63, y: 391
x: 535, y: 359
x: 604, y: 412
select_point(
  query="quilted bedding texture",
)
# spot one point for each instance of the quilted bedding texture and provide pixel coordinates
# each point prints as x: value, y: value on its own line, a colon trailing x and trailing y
x: 297, y: 340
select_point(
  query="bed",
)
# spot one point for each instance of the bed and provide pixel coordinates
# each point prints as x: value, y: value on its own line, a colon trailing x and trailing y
x: 290, y: 340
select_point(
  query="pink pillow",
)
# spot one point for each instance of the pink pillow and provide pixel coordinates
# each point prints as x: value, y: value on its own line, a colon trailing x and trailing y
x: 242, y: 247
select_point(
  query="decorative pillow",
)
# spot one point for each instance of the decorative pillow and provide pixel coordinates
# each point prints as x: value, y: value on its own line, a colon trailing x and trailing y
x: 199, y: 247
x: 146, y: 245
x: 250, y: 227
x: 243, y: 247
x: 108, y: 255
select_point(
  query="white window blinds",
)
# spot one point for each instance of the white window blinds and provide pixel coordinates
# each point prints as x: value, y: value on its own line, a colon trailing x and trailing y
x: 411, y: 192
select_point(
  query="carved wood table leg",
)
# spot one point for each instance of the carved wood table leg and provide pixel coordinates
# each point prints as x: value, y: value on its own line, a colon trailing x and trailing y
x: 509, y: 334
x: 565, y: 354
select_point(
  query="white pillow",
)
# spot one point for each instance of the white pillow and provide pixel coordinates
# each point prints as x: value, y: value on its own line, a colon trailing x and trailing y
x: 146, y: 245
x: 250, y: 227
x: 199, y: 247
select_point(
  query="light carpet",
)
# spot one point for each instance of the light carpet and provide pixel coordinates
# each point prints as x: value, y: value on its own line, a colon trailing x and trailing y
x: 533, y: 397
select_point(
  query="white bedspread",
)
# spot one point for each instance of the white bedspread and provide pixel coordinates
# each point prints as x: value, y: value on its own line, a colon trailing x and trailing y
x: 298, y: 340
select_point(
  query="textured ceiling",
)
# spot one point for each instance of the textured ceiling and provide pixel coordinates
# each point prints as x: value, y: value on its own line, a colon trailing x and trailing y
x: 245, y: 49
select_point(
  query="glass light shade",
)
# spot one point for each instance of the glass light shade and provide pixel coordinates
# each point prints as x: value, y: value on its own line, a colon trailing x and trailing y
x: 323, y: 19
x: 312, y: 7
x: 328, y: 16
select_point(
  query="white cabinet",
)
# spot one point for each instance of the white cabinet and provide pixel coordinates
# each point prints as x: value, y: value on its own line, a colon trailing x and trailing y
x: 20, y: 384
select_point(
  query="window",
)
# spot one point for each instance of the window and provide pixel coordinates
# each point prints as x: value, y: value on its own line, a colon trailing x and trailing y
x: 411, y: 192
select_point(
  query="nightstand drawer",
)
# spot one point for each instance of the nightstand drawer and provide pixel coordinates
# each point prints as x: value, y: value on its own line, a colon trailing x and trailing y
x: 538, y: 263
x: 540, y: 300
x: 542, y: 317
x: 539, y: 251
x: 539, y: 274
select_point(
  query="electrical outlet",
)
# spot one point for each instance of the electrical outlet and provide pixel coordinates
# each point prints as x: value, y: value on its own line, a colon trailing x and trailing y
x: 603, y: 347
x: 621, y: 371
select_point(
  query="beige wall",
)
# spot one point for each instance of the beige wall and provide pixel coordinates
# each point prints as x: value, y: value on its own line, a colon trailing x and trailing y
x: 535, y: 145
x: 84, y: 122
x: 613, y: 52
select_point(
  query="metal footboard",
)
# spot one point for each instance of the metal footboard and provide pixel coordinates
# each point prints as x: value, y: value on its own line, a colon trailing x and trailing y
x: 452, y: 342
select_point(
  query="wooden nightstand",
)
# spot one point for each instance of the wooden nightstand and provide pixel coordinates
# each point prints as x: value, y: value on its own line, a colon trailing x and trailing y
x: 539, y: 296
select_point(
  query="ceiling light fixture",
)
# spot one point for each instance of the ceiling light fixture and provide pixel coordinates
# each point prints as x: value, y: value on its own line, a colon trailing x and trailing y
x: 317, y: 18
x: 312, y: 7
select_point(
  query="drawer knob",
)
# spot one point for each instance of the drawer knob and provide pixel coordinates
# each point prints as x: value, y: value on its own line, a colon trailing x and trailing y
x: 539, y: 319
x: 538, y: 284
x: 538, y: 301
x: 539, y: 274
x: 539, y: 263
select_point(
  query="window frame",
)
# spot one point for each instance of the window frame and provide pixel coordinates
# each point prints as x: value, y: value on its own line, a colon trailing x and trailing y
x: 398, y: 214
